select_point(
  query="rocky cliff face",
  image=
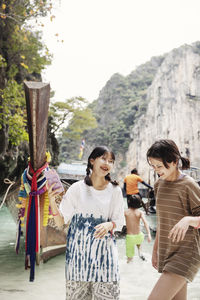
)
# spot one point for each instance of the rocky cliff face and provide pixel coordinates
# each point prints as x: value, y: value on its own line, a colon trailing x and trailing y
x: 173, y: 111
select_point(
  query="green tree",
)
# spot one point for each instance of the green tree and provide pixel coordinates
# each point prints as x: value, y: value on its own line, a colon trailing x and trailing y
x: 23, y: 56
x: 74, y: 114
x: 82, y: 119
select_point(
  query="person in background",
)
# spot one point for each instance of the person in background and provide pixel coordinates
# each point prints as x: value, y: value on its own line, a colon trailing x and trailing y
x: 131, y: 184
x: 94, y: 206
x: 176, y: 248
x: 134, y: 235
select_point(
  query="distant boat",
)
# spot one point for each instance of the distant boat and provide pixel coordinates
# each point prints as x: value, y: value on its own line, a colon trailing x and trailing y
x: 74, y: 170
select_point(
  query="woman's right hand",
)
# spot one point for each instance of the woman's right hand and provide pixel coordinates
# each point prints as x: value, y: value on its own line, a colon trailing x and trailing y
x: 52, y: 200
x: 52, y: 193
x: 154, y: 259
x: 102, y: 229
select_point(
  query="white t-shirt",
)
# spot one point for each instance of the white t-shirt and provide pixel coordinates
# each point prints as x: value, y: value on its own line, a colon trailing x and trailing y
x: 89, y: 258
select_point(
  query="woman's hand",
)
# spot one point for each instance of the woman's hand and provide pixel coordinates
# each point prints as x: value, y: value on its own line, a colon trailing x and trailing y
x: 177, y: 233
x: 102, y: 229
x: 59, y: 220
x: 52, y: 193
x: 154, y: 259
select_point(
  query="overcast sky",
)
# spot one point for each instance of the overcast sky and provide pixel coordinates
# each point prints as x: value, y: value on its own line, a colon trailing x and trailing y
x: 103, y: 37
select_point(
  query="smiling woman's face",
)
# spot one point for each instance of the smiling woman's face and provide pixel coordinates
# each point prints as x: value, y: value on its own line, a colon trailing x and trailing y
x: 161, y: 170
x: 102, y: 165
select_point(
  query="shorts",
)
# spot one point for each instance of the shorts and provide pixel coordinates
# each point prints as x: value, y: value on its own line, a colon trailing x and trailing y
x: 82, y: 290
x: 131, y: 241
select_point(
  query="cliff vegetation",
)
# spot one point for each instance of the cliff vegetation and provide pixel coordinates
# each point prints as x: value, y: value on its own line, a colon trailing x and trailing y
x: 120, y: 103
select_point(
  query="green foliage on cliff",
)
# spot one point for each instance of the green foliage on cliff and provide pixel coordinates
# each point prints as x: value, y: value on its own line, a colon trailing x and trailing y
x: 22, y: 57
x: 12, y: 112
x: 121, y: 102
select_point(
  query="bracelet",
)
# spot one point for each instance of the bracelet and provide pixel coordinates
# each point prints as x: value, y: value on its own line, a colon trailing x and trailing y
x: 198, y: 226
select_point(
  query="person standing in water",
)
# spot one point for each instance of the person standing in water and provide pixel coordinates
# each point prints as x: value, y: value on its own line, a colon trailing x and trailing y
x: 176, y: 248
x: 131, y: 184
x: 134, y: 235
x: 95, y: 207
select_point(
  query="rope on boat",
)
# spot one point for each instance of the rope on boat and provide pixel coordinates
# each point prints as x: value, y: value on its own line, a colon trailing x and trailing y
x: 7, y: 181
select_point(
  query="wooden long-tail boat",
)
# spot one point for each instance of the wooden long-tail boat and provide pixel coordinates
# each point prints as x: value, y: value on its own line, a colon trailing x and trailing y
x: 51, y: 240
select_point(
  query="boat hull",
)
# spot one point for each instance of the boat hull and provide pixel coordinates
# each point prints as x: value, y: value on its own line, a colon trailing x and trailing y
x: 52, y: 238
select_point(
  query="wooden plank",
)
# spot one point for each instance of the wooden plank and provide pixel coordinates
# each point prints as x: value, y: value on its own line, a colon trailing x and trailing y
x: 37, y: 102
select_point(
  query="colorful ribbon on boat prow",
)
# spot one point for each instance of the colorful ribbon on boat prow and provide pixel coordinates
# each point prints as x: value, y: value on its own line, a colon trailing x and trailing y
x: 33, y: 219
x: 33, y: 184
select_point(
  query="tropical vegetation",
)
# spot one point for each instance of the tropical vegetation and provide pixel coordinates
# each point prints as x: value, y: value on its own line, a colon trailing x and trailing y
x: 120, y: 103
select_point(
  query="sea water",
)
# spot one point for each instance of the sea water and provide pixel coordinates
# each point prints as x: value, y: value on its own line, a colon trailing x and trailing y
x: 137, y: 277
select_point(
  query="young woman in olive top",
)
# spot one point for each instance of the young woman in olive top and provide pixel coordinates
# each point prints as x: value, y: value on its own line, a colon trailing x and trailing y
x: 176, y: 251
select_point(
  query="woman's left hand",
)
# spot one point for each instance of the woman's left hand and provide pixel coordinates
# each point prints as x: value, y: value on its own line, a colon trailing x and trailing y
x: 102, y: 229
x: 177, y: 233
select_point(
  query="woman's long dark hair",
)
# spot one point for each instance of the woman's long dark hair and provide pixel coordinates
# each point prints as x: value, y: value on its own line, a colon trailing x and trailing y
x: 98, y: 152
x: 167, y: 151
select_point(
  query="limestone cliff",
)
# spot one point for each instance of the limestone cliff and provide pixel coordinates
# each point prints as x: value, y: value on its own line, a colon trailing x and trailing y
x: 173, y: 110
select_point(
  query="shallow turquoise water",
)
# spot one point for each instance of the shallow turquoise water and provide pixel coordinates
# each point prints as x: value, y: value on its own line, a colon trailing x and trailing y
x: 137, y: 278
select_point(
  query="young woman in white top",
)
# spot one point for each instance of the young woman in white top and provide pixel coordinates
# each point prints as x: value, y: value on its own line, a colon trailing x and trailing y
x: 94, y: 206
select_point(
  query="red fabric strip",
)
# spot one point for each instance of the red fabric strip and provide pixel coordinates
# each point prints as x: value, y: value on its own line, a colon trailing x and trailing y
x: 35, y: 174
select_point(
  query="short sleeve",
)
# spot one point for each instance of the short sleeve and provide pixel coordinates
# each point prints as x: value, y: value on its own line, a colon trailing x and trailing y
x: 117, y: 209
x: 68, y: 204
x: 194, y: 197
x: 155, y: 188
x: 140, y: 179
x: 125, y: 179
